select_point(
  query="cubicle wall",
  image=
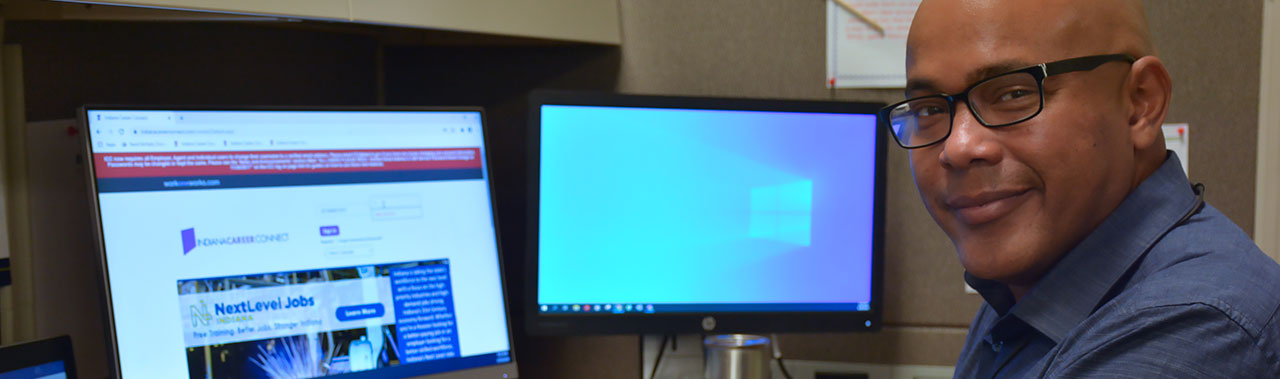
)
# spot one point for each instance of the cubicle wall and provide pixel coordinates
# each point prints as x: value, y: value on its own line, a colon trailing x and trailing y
x: 756, y: 48
x: 777, y: 49
x: 1267, y: 217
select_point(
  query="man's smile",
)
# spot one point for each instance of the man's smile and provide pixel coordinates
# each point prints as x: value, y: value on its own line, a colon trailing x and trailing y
x: 979, y: 208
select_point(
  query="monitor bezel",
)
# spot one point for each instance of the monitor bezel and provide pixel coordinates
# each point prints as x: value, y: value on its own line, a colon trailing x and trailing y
x: 34, y: 353
x: 537, y: 323
x: 501, y: 370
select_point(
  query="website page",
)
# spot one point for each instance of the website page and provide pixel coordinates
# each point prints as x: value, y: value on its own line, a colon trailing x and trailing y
x: 272, y: 244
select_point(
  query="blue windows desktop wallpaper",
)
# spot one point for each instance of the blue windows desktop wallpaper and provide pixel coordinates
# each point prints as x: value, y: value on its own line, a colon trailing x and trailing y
x: 681, y: 206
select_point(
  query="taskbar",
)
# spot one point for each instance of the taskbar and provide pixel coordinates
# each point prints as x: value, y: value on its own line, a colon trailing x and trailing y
x: 642, y: 308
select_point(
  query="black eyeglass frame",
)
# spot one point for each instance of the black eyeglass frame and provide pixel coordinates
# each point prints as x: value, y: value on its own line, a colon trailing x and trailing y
x: 1039, y: 72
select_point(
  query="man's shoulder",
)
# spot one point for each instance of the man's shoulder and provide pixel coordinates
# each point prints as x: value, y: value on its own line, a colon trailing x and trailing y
x: 1209, y: 261
x: 1192, y: 340
x: 1203, y: 283
x: 1208, y: 231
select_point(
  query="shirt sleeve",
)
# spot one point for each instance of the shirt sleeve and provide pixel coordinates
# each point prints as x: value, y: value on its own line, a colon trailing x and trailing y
x: 1172, y: 341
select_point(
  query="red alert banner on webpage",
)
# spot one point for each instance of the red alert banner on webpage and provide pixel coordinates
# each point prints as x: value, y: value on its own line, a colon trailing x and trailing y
x: 163, y: 171
x: 139, y: 165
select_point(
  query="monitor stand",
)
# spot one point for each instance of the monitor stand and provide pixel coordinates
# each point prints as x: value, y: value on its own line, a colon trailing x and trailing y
x: 682, y: 359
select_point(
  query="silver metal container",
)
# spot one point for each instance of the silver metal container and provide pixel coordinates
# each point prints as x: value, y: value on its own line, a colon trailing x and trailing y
x: 737, y: 356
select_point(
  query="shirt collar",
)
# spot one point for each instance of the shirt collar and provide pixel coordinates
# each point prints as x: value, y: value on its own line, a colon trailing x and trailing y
x: 1075, y: 286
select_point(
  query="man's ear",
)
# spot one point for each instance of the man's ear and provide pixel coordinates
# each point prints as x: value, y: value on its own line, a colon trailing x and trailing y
x: 1148, y: 89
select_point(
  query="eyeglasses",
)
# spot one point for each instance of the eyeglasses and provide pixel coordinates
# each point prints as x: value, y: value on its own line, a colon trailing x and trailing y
x: 1001, y: 100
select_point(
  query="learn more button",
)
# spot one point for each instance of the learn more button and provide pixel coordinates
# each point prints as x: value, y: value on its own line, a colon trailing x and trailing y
x: 359, y: 312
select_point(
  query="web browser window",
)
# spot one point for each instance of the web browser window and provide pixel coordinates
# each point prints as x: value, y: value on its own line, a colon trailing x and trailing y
x: 298, y: 243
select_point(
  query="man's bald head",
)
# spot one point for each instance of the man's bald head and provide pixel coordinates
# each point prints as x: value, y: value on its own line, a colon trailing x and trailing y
x: 1067, y: 26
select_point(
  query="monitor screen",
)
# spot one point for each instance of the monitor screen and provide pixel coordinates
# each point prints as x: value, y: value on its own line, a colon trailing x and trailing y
x: 298, y: 243
x: 50, y: 370
x: 42, y: 359
x: 664, y: 214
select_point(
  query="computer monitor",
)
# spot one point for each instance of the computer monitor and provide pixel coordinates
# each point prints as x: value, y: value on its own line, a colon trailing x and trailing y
x: 358, y: 242
x: 44, y: 359
x: 664, y: 215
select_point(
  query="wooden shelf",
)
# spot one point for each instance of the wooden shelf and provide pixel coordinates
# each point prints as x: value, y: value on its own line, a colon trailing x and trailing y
x: 401, y: 21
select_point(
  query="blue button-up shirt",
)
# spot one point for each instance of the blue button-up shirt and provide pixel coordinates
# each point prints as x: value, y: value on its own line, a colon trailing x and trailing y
x: 1142, y: 296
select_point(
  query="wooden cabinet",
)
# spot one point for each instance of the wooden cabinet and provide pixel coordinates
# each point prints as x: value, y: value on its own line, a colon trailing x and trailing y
x: 594, y: 21
x: 584, y: 21
x: 307, y: 9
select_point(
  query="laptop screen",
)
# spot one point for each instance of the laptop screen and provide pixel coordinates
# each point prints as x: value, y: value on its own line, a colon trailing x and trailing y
x: 289, y: 243
x: 50, y: 370
x: 51, y: 358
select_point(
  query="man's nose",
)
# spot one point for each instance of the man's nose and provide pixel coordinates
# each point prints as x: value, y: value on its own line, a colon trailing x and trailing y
x: 970, y: 142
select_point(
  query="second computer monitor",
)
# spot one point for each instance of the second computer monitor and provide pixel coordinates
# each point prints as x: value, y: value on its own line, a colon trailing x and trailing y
x: 675, y: 214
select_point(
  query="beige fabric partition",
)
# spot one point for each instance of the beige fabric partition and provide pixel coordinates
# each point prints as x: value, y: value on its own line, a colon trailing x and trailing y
x: 734, y: 48
x: 776, y: 49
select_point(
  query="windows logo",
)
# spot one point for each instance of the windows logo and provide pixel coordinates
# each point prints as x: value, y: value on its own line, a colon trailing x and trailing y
x: 783, y: 212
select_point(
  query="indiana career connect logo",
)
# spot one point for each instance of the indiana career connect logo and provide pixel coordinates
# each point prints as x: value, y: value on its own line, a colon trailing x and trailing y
x: 190, y: 242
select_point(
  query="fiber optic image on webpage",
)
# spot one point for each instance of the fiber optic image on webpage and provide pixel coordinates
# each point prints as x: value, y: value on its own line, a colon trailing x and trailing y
x: 319, y: 322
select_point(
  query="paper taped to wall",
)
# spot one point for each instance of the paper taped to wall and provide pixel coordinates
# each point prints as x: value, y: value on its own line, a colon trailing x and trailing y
x: 861, y: 56
x: 1177, y: 137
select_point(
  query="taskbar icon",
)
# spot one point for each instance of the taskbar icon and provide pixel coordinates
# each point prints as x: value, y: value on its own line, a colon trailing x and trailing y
x: 616, y: 308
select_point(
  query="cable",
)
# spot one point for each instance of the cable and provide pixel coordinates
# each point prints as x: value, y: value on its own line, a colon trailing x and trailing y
x: 657, y: 363
x: 783, y: 367
x: 777, y: 355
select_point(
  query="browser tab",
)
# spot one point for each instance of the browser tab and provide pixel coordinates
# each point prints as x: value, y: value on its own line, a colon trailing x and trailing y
x: 134, y: 118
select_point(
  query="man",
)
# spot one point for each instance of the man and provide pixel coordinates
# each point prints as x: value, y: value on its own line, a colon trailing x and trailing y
x: 1035, y: 141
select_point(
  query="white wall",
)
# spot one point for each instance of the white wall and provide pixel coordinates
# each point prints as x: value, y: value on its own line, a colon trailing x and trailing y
x: 1267, y: 217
